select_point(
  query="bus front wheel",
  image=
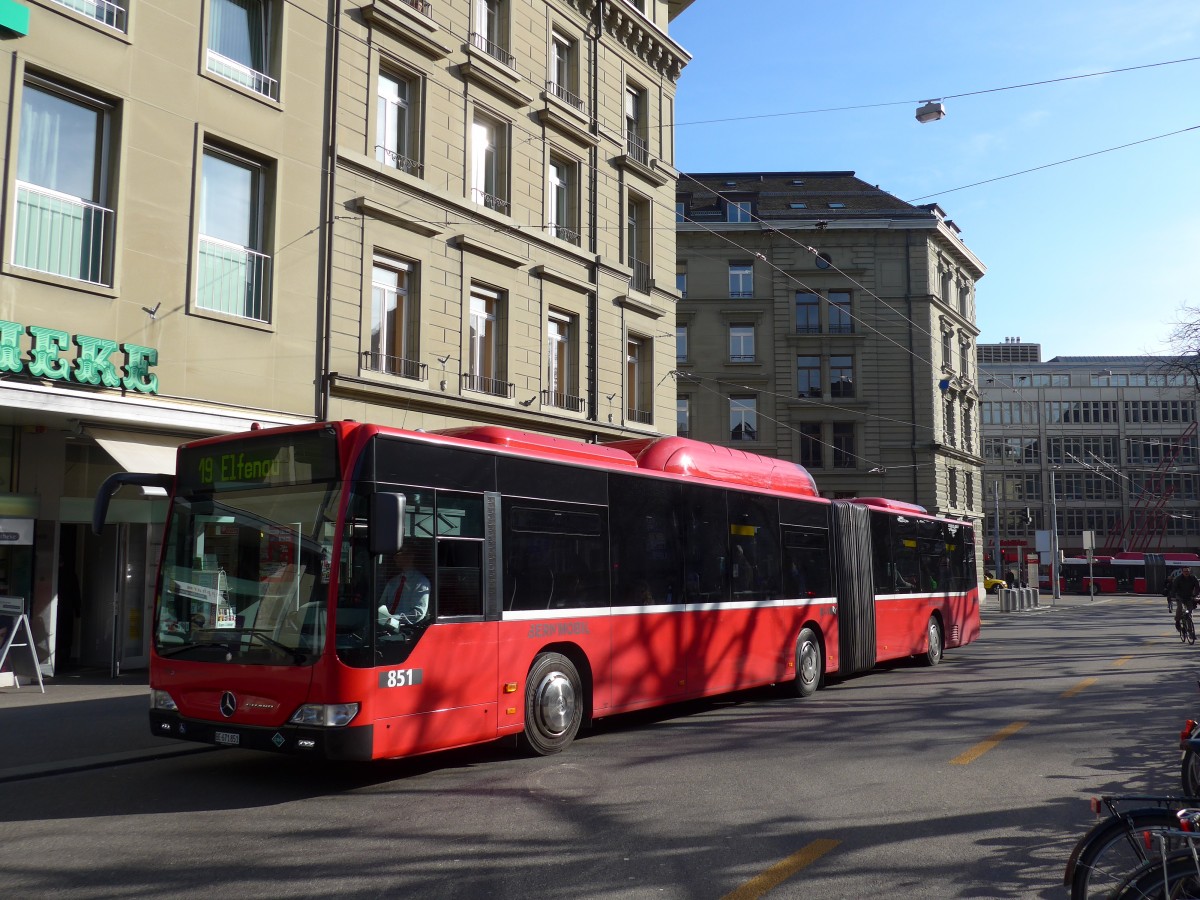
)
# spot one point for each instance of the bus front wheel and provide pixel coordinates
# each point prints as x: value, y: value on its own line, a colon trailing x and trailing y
x: 933, y: 652
x: 553, y: 705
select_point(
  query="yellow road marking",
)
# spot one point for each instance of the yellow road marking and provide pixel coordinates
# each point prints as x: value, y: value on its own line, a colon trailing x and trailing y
x: 1083, y: 685
x: 1122, y: 660
x: 984, y: 746
x: 782, y: 871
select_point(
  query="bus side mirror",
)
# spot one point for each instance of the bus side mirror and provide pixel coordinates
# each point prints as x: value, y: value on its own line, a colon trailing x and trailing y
x: 387, y: 523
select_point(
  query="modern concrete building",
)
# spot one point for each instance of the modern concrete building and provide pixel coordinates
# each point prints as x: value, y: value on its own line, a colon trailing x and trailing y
x: 236, y: 211
x: 827, y: 322
x: 1092, y: 443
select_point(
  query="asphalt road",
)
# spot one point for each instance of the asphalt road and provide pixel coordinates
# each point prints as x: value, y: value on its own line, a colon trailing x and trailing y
x: 967, y: 780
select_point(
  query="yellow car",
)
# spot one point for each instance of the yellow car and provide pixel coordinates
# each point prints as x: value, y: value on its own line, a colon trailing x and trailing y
x: 991, y: 585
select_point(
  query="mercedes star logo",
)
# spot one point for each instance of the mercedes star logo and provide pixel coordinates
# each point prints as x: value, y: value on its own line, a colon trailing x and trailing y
x: 228, y: 704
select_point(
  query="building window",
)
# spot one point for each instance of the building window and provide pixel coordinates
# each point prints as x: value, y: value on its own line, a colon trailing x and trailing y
x: 680, y: 211
x: 843, y: 445
x: 637, y: 242
x: 743, y: 418
x: 637, y: 381
x: 233, y: 275
x: 485, y: 365
x: 810, y: 445
x: 683, y: 416
x: 738, y: 211
x: 562, y: 214
x: 968, y: 429
x: 808, y: 313
x: 635, y: 124
x: 841, y: 376
x: 840, y: 320
x: 396, y: 123
x: 741, y: 343
x: 947, y: 285
x: 964, y: 360
x: 681, y: 343
x: 489, y: 164
x: 952, y: 478
x: 106, y: 12
x: 949, y: 419
x: 563, y: 82
x: 681, y: 279
x: 393, y: 320
x: 490, y: 33
x: 562, y: 388
x: 741, y: 279
x: 63, y: 224
x: 970, y: 490
x: 808, y: 376
x: 239, y: 44
x: 947, y: 350
x: 964, y: 294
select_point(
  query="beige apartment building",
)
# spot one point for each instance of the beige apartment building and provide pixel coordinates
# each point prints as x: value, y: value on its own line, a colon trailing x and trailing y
x: 827, y: 322
x: 228, y: 212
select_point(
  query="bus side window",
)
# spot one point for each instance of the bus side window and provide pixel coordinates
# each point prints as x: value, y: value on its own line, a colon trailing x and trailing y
x: 459, y: 555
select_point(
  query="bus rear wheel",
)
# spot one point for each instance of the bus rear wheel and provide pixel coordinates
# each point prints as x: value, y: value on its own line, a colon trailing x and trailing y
x: 809, y: 666
x: 553, y: 705
x: 933, y: 653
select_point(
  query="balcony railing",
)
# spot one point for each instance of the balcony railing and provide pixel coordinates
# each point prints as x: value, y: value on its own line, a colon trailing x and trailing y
x: 233, y: 280
x: 247, y: 77
x: 641, y: 416
x: 741, y: 357
x: 399, y: 161
x: 394, y: 365
x: 636, y: 147
x: 640, y: 280
x: 563, y: 233
x: 492, y: 49
x: 683, y: 432
x: 563, y: 401
x: 740, y: 293
x: 420, y: 6
x: 62, y: 235
x: 497, y: 387
x: 564, y: 95
x: 106, y: 12
x: 491, y: 201
x: 841, y: 328
x: 807, y: 329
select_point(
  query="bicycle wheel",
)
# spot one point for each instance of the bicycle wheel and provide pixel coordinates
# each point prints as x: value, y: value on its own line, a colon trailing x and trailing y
x: 1112, y: 849
x: 1189, y: 772
x: 1189, y: 629
x: 1178, y: 880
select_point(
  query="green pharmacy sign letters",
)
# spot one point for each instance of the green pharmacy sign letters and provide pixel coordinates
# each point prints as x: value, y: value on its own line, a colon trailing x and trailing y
x: 92, y: 364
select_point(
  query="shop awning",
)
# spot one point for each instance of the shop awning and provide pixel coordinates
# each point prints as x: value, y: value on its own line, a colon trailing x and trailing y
x: 137, y: 452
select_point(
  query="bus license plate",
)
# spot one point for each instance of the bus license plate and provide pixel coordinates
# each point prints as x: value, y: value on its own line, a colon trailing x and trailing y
x: 225, y: 737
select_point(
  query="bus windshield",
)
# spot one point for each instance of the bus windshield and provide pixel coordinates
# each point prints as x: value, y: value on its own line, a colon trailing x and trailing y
x: 246, y: 571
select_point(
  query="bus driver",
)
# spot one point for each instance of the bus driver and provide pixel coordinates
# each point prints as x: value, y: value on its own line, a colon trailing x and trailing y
x: 405, y: 598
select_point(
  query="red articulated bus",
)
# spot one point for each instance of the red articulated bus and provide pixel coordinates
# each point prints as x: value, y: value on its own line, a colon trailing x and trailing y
x: 554, y: 582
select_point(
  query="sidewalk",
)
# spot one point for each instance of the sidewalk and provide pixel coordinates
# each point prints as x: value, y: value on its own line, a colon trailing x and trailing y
x: 81, y: 721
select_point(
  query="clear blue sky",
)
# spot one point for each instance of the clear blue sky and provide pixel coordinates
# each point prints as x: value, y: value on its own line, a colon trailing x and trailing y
x: 1091, y: 257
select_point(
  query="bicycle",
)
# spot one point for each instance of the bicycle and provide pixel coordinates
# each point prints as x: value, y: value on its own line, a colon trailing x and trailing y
x: 1174, y: 873
x: 1114, y: 846
x: 1184, y: 624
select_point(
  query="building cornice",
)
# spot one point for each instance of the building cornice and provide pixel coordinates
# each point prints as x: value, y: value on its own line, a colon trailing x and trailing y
x: 633, y: 31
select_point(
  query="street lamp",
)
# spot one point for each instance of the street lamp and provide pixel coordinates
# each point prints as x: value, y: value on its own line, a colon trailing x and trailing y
x: 1054, y: 467
x: 931, y: 111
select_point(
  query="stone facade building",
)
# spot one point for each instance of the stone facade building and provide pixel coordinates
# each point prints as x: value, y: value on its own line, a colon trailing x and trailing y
x: 827, y: 322
x: 227, y: 212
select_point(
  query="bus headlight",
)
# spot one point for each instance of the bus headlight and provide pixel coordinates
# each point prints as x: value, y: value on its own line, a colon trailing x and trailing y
x: 162, y: 700
x: 331, y: 715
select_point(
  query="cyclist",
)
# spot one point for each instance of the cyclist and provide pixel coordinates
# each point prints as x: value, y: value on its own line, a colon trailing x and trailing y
x: 1184, y: 589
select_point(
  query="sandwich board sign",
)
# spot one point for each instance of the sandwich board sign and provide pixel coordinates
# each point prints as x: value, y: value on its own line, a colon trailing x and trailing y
x: 17, y: 649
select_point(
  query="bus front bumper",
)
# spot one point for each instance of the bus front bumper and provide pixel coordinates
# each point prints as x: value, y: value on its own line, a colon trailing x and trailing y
x: 348, y: 743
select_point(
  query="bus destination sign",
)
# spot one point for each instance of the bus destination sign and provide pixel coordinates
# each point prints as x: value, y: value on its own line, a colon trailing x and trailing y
x: 291, y: 459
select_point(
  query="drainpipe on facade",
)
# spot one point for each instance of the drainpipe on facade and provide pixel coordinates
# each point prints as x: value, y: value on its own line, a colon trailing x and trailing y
x: 912, y: 362
x: 593, y: 327
x: 332, y: 56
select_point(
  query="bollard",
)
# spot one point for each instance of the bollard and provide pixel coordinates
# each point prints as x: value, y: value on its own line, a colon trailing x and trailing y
x: 1006, y: 600
x: 1036, y: 596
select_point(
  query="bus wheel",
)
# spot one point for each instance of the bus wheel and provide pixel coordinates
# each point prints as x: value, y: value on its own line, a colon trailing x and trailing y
x: 553, y: 705
x: 809, y: 668
x: 933, y: 655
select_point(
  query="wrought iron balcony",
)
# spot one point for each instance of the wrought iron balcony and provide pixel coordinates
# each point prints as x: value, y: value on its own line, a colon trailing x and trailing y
x: 553, y: 87
x: 740, y: 293
x: 741, y: 357
x: 841, y: 328
x: 492, y: 49
x: 636, y: 147
x: 641, y: 416
x: 399, y: 161
x: 491, y: 201
x: 394, y: 365
x: 233, y: 280
x: 497, y: 387
x: 563, y: 233
x: 234, y: 71
x: 106, y: 12
x: 62, y: 235
x: 420, y: 6
x: 560, y: 400
x: 640, y: 280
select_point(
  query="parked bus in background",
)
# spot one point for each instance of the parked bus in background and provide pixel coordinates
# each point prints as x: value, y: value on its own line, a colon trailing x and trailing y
x: 555, y: 583
x: 1124, y: 573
